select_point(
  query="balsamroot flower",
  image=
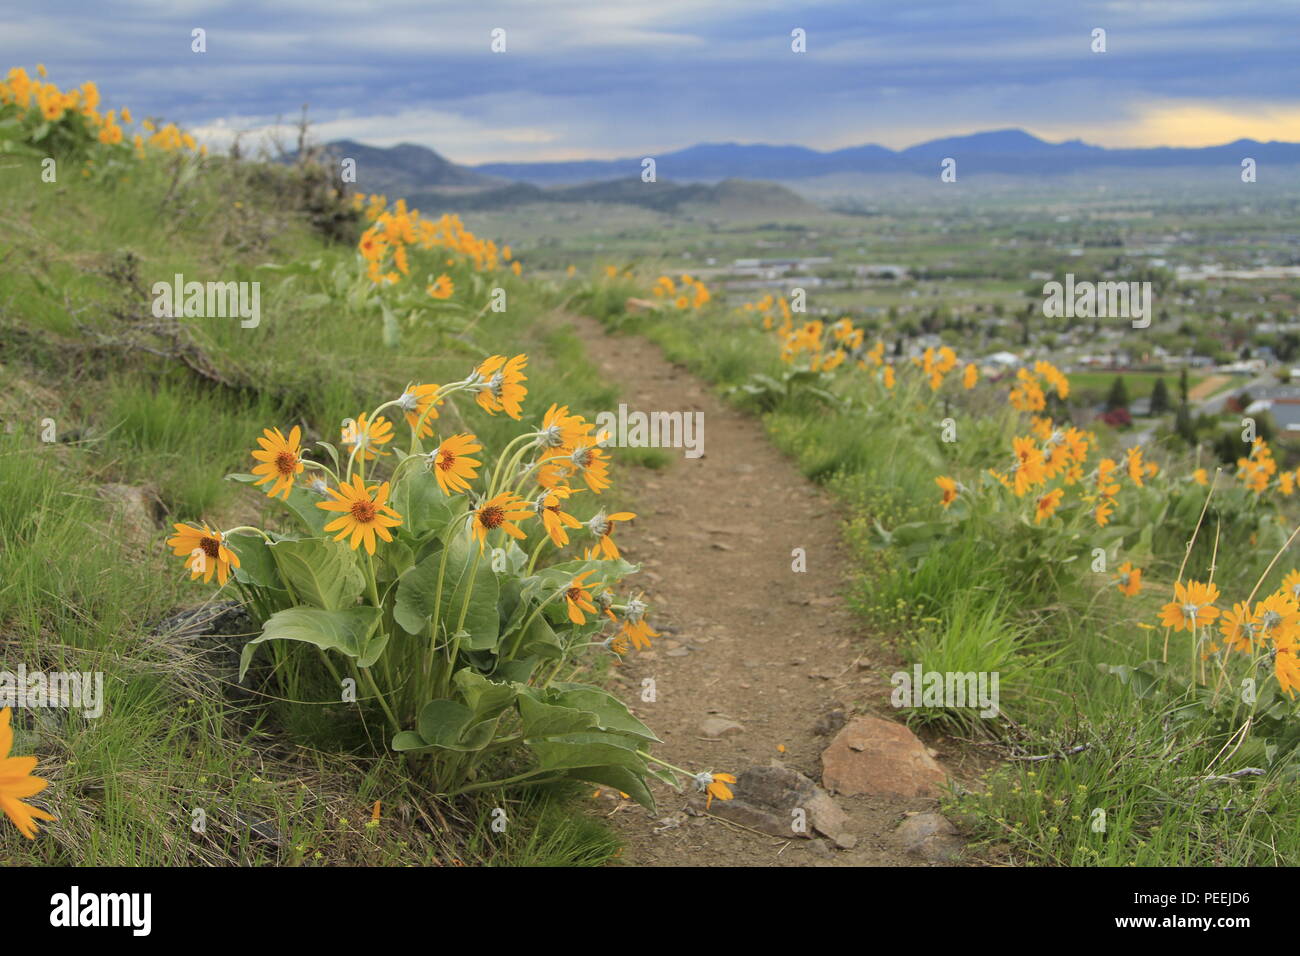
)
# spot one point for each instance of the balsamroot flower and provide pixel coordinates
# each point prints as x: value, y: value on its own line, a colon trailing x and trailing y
x: 592, y: 463
x: 17, y: 783
x: 715, y: 785
x: 442, y: 288
x: 451, y: 465
x: 205, y: 550
x: 1239, y: 628
x: 949, y: 488
x: 365, y: 513
x: 1192, y: 607
x: 578, y: 599
x: 367, y: 436
x: 501, y: 387
x: 601, y: 525
x: 501, y: 512
x: 1047, y: 504
x: 417, y: 402
x: 280, y: 460
x: 1129, y: 579
x: 549, y: 507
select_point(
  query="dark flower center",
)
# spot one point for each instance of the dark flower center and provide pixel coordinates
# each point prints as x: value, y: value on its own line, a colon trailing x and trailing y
x: 363, y: 511
x: 491, y: 516
x: 211, y: 546
x: 286, y: 462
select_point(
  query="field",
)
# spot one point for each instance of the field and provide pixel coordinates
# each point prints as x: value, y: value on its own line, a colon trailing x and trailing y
x: 369, y: 581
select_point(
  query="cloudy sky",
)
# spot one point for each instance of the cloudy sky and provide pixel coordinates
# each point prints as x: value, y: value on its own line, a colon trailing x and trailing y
x: 615, y: 78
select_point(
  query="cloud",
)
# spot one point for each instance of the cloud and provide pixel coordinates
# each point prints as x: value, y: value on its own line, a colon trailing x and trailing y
x: 622, y: 78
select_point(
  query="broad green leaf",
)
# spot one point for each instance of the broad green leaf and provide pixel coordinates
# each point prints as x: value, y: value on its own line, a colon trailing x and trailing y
x: 419, y: 500
x: 322, y: 573
x: 552, y: 720
x: 484, y: 698
x: 416, y: 592
x: 540, y: 640
x: 348, y: 632
x: 620, y: 778
x: 448, y: 725
x: 482, y: 619
x: 611, y: 713
x: 303, y: 503
x: 256, y: 566
x: 586, y: 750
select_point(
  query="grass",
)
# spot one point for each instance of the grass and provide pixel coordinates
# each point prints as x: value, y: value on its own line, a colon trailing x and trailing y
x: 1154, y: 767
x: 83, y: 582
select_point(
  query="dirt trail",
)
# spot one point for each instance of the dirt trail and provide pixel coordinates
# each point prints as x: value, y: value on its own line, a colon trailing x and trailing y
x: 743, y: 635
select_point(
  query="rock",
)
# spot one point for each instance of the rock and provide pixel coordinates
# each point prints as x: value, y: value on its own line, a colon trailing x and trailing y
x: 720, y: 727
x: 633, y: 306
x: 678, y: 652
x: 670, y: 822
x: 830, y: 723
x: 930, y: 836
x: 136, y: 510
x: 770, y: 795
x: 880, y: 757
x: 819, y: 848
x: 756, y: 818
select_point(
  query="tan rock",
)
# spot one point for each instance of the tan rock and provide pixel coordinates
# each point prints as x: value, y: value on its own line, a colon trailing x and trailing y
x: 930, y: 836
x: 633, y: 306
x: 880, y: 757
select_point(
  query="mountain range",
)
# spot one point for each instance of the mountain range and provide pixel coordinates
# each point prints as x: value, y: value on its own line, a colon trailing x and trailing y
x: 722, y: 172
x: 1008, y: 151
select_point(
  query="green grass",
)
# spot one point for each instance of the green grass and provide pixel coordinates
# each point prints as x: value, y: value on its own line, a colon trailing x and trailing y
x: 968, y: 605
x: 82, y: 585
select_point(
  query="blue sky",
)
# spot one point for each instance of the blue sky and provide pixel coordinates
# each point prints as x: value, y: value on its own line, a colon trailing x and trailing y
x: 608, y: 78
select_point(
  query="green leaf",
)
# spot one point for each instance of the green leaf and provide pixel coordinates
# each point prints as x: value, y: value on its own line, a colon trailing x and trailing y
x: 484, y: 697
x: 620, y: 778
x: 419, y: 500
x: 303, y: 503
x: 416, y: 592
x: 586, y: 750
x: 540, y: 640
x: 552, y: 720
x: 482, y: 619
x: 256, y: 566
x: 395, y: 559
x: 611, y: 713
x: 348, y: 632
x: 322, y: 573
x: 448, y: 725
x: 392, y: 331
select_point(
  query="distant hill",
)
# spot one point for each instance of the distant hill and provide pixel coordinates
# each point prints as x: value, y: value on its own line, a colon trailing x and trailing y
x: 997, y: 151
x: 407, y: 167
x: 735, y: 174
x: 731, y: 197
